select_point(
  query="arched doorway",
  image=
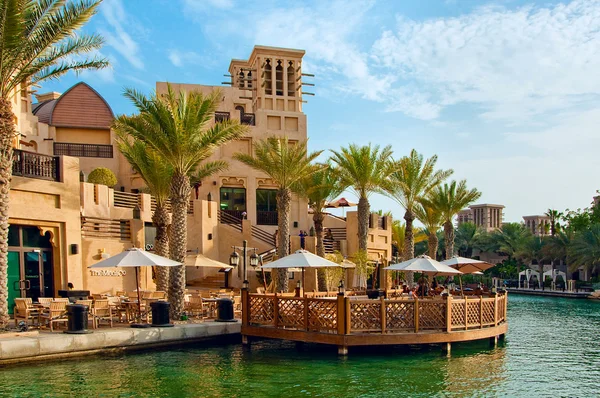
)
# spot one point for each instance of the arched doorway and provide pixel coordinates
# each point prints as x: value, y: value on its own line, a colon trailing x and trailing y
x: 30, y: 265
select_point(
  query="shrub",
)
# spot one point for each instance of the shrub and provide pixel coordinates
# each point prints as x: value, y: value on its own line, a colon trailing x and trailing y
x: 102, y: 176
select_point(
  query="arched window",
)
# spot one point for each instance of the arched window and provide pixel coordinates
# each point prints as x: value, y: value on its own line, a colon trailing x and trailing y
x: 291, y: 80
x: 268, y: 79
x: 279, y: 79
x: 240, y: 109
x: 241, y: 80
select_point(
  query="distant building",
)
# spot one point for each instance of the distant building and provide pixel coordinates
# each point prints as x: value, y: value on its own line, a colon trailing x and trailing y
x: 538, y: 225
x: 486, y: 216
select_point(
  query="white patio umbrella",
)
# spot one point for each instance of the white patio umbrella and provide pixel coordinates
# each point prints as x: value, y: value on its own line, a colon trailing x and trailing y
x: 467, y: 265
x: 135, y: 258
x: 201, y: 261
x: 424, y: 264
x: 300, y: 259
x: 341, y: 202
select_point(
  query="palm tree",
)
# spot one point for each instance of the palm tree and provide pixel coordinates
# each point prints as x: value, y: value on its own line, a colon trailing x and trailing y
x: 432, y: 220
x: 467, y: 238
x: 585, y: 249
x: 38, y: 42
x: 533, y: 250
x: 319, y: 188
x: 554, y: 215
x: 450, y: 199
x: 364, y: 169
x: 177, y: 127
x: 412, y: 181
x: 288, y: 165
x: 157, y: 175
x: 509, y: 239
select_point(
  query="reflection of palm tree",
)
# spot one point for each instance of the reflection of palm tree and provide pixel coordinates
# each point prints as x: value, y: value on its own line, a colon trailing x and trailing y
x: 288, y: 165
x: 412, y: 181
x: 450, y: 199
x: 39, y: 42
x: 364, y: 169
x: 176, y: 126
x: 157, y: 174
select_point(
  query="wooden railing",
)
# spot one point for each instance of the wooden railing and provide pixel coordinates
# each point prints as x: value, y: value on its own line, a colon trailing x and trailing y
x: 239, y: 214
x: 248, y: 118
x: 263, y: 235
x: 34, y: 165
x: 331, y: 245
x: 127, y: 200
x: 346, y: 315
x: 266, y: 218
x: 225, y: 218
x: 153, y: 204
x: 338, y: 233
x: 100, y: 228
x: 221, y: 116
x: 83, y: 150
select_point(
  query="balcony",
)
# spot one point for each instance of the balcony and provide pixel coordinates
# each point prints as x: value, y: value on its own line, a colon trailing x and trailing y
x: 248, y: 119
x: 34, y: 165
x: 83, y: 150
x: 266, y: 218
x: 221, y: 116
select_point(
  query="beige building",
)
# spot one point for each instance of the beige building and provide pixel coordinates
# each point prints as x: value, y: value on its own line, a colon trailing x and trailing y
x: 60, y: 224
x: 538, y: 225
x: 486, y: 216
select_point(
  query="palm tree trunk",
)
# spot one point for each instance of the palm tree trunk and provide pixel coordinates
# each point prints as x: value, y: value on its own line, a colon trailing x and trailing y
x: 541, y: 272
x: 7, y: 133
x: 284, y: 197
x: 318, y: 218
x: 409, y: 244
x: 161, y: 219
x: 449, y: 238
x: 432, y: 242
x: 363, y: 222
x: 180, y: 196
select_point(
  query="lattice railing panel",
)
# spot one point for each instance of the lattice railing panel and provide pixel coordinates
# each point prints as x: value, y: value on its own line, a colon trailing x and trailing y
x: 488, y: 312
x: 399, y: 315
x: 365, y: 316
x: 432, y: 315
x: 458, y: 314
x: 501, y: 307
x: 262, y: 310
x: 291, y: 312
x: 472, y: 312
x: 322, y: 315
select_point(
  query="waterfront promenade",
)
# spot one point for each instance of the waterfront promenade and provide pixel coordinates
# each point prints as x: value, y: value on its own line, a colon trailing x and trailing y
x: 550, y: 293
x: 39, y: 346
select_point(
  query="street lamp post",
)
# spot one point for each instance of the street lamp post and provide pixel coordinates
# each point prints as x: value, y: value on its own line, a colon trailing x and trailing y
x: 234, y: 260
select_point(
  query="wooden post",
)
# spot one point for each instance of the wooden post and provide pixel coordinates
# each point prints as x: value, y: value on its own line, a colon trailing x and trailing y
x: 466, y: 312
x: 305, y: 313
x: 416, y: 315
x: 447, y: 348
x: 343, y: 350
x: 480, y: 312
x: 494, y: 341
x: 496, y: 309
x: 382, y: 312
x: 347, y: 315
x: 245, y: 307
x: 505, y: 305
x: 341, y: 310
x: 449, y: 313
x: 275, y: 311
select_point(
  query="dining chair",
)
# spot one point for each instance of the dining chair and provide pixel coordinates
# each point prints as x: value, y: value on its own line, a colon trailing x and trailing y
x: 55, y: 313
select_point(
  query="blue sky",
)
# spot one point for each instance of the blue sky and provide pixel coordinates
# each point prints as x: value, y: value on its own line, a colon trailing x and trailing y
x: 505, y: 92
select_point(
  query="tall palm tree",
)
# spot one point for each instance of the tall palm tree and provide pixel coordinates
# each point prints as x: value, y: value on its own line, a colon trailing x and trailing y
x: 319, y: 188
x: 450, y: 199
x: 412, y: 181
x: 585, y: 249
x: 157, y: 175
x: 288, y: 165
x: 533, y: 250
x: 431, y: 218
x: 178, y: 127
x: 467, y: 238
x: 38, y: 42
x: 554, y: 215
x: 364, y: 169
x: 509, y: 239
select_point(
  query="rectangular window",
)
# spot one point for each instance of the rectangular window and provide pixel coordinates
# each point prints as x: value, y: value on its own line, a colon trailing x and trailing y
x: 266, y: 207
x: 233, y: 199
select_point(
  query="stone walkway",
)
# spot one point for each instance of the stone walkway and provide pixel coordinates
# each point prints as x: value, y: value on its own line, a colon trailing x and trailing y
x: 43, y: 345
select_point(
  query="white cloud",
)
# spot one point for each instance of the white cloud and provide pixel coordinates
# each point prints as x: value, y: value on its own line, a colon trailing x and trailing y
x: 514, y: 64
x: 202, y: 5
x: 118, y: 38
x: 182, y: 58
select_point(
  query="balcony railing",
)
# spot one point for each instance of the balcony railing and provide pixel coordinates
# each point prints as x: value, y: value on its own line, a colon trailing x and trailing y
x: 83, y: 150
x: 34, y: 165
x: 221, y: 116
x: 266, y: 218
x: 239, y: 214
x: 248, y: 118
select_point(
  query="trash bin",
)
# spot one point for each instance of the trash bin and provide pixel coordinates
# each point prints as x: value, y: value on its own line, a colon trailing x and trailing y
x: 225, y: 310
x: 77, y: 319
x: 160, y: 313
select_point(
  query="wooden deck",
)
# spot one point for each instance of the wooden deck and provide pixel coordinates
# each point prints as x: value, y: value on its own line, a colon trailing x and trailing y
x: 346, y: 321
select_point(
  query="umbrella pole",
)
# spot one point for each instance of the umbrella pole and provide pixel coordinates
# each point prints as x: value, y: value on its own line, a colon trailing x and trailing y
x: 137, y: 286
x: 303, y: 287
x: 462, y: 293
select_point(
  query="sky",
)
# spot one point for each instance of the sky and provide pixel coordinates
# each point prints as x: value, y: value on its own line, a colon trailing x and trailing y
x: 506, y: 93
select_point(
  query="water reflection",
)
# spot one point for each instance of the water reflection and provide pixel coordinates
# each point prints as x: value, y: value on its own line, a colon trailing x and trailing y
x: 481, y: 373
